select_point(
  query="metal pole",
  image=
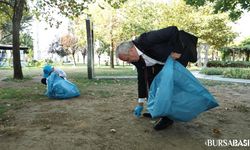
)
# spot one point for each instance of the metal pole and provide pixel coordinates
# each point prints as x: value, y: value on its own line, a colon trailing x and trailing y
x: 90, y: 48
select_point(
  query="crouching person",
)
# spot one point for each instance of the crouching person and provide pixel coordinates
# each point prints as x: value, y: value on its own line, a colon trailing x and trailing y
x: 48, y: 69
x: 58, y: 87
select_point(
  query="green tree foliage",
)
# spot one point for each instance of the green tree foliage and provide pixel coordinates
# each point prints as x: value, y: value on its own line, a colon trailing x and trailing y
x: 79, y: 29
x: 48, y: 10
x: 209, y: 27
x: 115, y: 3
x: 245, y: 45
x: 245, y: 42
x: 106, y: 23
x: 135, y: 17
x: 234, y: 7
x: 6, y: 30
x: 26, y: 40
x: 140, y: 16
x: 101, y: 48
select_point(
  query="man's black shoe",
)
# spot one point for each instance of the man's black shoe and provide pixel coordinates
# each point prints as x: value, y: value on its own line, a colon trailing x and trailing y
x: 163, y: 123
x: 147, y: 115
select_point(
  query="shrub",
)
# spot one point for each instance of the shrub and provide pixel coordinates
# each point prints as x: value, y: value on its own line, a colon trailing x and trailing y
x: 215, y: 64
x: 239, y: 64
x: 242, y: 73
x: 212, y: 71
x: 35, y: 63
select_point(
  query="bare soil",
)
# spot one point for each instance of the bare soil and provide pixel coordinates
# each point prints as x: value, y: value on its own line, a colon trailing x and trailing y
x: 105, y: 121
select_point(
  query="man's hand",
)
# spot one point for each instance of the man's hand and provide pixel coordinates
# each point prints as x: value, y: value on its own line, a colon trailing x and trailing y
x: 175, y: 55
x: 137, y: 111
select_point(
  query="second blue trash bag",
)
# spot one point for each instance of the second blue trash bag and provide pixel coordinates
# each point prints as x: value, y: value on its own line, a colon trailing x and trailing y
x: 177, y: 94
x: 59, y: 88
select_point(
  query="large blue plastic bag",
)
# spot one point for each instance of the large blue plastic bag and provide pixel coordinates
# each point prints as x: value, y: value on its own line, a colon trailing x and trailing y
x: 59, y: 88
x: 177, y: 94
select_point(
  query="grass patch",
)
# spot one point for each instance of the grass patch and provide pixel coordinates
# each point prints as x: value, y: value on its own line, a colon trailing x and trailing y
x: 9, y: 79
x: 242, y: 108
x: 18, y: 94
x: 3, y: 108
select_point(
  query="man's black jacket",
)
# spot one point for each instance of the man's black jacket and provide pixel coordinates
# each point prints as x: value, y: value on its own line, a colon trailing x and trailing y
x: 158, y: 45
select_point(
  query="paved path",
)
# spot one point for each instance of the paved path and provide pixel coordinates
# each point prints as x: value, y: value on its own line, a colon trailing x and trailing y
x: 195, y: 73
x: 218, y: 78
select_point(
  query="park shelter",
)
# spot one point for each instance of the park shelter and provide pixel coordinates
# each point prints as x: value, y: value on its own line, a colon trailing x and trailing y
x: 6, y: 54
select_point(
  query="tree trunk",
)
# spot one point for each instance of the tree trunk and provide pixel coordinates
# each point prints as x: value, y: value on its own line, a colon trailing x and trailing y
x: 111, y: 44
x: 16, y: 21
x: 206, y: 47
x: 112, y: 54
x: 83, y: 59
x: 84, y: 52
x: 233, y: 55
x: 199, y: 56
x: 99, y: 60
x: 247, y: 54
x: 74, y: 59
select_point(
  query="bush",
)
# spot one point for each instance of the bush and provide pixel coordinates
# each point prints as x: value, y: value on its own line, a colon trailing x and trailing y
x: 35, y: 63
x: 238, y: 64
x: 49, y: 61
x: 212, y: 71
x: 241, y: 73
x: 215, y: 64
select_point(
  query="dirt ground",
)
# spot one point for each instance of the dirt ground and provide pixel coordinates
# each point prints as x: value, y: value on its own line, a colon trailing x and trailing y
x: 94, y: 122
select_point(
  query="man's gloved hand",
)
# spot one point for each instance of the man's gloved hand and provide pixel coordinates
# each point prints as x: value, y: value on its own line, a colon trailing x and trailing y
x: 137, y: 111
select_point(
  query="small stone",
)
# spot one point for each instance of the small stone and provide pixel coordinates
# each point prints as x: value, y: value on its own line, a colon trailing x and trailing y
x: 216, y: 131
x: 113, y: 130
x: 46, y: 127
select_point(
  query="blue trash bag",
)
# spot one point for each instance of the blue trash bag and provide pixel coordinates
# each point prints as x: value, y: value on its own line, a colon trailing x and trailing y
x: 177, y: 94
x: 59, y: 88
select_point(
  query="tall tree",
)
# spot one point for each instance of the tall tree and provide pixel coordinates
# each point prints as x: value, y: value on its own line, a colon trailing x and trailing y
x: 234, y: 7
x: 211, y: 28
x: 80, y: 31
x: 56, y: 47
x: 69, y: 44
x: 104, y: 17
x: 134, y: 22
x: 15, y: 9
x: 115, y: 5
x: 16, y: 22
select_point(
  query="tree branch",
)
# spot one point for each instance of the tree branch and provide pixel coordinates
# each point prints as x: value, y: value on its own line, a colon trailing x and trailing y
x: 6, y: 3
x: 7, y: 13
x: 5, y: 36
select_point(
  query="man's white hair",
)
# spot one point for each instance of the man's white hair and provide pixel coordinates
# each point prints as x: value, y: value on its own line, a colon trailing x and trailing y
x: 123, y: 48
